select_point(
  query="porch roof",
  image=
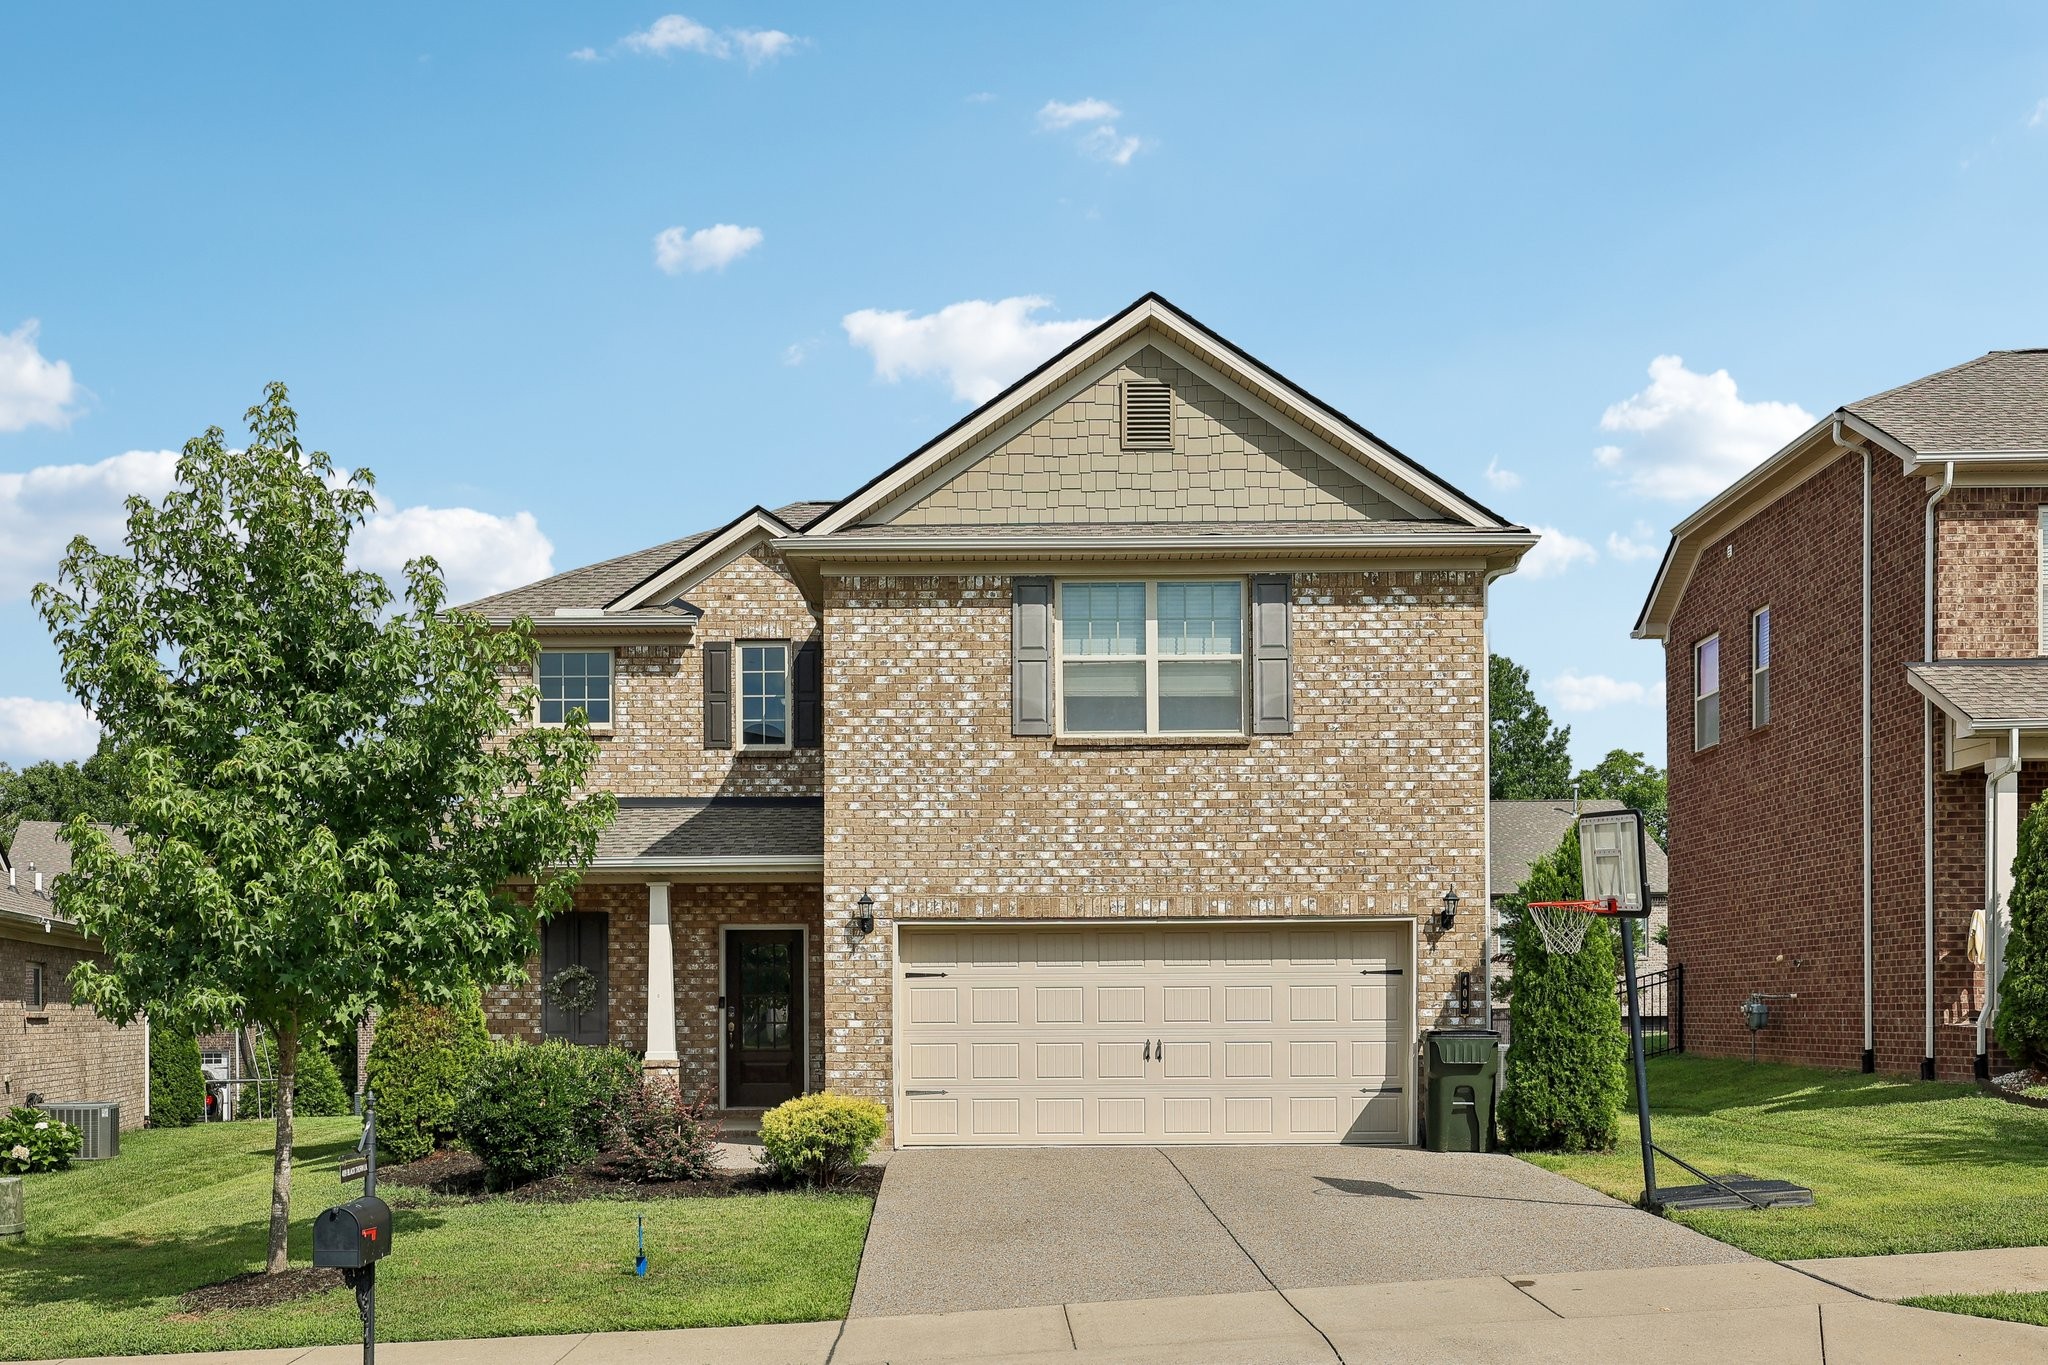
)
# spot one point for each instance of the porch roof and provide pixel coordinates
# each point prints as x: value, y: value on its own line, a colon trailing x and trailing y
x: 1986, y: 694
x: 757, y: 834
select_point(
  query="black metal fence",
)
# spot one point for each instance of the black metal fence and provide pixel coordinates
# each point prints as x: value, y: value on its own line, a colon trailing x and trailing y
x: 1663, y: 997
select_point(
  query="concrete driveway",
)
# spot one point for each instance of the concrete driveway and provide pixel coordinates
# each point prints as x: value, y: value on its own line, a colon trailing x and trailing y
x: 958, y: 1230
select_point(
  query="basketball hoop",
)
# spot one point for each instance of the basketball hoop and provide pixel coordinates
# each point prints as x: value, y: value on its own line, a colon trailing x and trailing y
x: 1564, y: 924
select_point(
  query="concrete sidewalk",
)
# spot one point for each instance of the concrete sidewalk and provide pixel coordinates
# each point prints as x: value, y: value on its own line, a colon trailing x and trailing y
x: 2000, y: 1270
x: 1751, y: 1313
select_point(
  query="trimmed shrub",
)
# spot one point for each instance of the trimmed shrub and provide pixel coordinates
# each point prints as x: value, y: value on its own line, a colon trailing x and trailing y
x: 662, y: 1136
x: 821, y: 1138
x: 532, y: 1110
x: 31, y: 1142
x: 316, y: 1091
x: 419, y: 1064
x: 2022, y: 1017
x: 177, y: 1086
x: 1566, y: 1078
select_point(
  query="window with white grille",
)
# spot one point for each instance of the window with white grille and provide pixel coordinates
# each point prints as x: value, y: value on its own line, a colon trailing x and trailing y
x: 1760, y: 668
x: 1147, y: 414
x: 1706, y: 693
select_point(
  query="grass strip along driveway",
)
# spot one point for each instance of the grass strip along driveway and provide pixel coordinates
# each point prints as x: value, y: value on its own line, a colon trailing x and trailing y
x: 112, y: 1245
x: 1894, y: 1165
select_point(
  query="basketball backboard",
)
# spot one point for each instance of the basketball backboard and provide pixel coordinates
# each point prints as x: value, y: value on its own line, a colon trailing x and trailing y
x: 1612, y: 861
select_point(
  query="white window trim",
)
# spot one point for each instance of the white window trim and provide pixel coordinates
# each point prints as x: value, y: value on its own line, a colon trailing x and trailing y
x: 36, y: 986
x: 1757, y: 674
x: 739, y: 696
x: 612, y: 655
x: 1698, y: 696
x: 1151, y: 659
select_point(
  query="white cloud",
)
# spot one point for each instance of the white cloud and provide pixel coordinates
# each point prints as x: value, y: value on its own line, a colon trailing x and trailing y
x: 758, y: 45
x: 1502, y: 479
x: 2039, y: 118
x: 41, y: 510
x: 34, y: 392
x: 583, y: 54
x: 479, y: 553
x: 979, y: 346
x: 1555, y: 553
x: 982, y: 97
x: 1102, y: 141
x: 1642, y: 542
x: 714, y: 248
x: 678, y: 33
x: 1056, y: 115
x: 1596, y: 692
x: 1690, y: 434
x: 797, y: 352
x: 32, y: 730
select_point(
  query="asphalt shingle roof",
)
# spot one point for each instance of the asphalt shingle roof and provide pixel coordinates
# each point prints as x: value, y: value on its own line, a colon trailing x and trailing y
x: 1524, y: 831
x: 1998, y: 401
x: 770, y: 828
x: 39, y: 846
x: 1164, y: 530
x: 593, y: 585
x: 1987, y: 690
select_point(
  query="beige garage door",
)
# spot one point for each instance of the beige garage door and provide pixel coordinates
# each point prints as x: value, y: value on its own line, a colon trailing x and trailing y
x: 1170, y: 1034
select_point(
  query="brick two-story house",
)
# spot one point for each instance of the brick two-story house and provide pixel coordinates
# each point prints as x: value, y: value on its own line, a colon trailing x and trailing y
x: 1095, y: 774
x: 1854, y: 662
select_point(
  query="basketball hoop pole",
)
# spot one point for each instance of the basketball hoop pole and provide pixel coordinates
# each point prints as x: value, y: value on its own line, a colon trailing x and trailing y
x: 1635, y: 1044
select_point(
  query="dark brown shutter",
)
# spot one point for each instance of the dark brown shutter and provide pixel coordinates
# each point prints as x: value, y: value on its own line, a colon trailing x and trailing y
x: 806, y: 687
x: 592, y: 1028
x: 1030, y: 656
x: 1272, y: 658
x: 718, y: 695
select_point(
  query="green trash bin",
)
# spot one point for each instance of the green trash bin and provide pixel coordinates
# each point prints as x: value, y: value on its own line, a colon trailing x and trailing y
x: 1459, y: 1067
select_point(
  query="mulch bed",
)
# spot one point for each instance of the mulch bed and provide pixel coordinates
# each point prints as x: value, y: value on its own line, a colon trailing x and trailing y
x: 461, y: 1175
x: 258, y: 1290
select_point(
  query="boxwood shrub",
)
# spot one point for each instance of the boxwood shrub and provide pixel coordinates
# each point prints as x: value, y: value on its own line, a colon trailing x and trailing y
x: 419, y: 1064
x: 821, y: 1138
x: 532, y: 1110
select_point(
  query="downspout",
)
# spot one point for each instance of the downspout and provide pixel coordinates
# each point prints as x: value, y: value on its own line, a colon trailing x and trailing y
x: 1869, y: 876
x: 1948, y: 481
x: 1490, y: 921
x: 1994, y: 899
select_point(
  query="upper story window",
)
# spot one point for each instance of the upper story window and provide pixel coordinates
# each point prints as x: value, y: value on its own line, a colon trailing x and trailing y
x: 1159, y: 658
x: 764, y: 695
x: 575, y: 680
x: 1760, y: 668
x: 1706, y: 693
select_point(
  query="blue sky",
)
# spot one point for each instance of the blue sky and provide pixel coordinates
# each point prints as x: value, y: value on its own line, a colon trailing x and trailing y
x: 575, y: 280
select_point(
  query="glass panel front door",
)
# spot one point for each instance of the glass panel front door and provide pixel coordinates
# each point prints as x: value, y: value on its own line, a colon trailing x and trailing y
x: 764, y: 1016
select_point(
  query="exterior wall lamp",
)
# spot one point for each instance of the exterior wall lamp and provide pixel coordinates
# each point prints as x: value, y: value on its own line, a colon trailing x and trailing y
x: 864, y: 922
x: 1448, y: 916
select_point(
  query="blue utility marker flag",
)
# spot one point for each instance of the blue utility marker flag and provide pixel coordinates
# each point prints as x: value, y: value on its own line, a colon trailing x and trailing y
x: 640, y: 1261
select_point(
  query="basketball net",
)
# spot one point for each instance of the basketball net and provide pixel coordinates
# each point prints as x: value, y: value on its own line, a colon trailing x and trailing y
x: 1563, y: 924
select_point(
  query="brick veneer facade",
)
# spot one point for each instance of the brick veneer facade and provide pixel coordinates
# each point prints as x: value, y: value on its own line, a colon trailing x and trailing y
x: 1373, y: 807
x: 1766, y: 845
x: 63, y: 1051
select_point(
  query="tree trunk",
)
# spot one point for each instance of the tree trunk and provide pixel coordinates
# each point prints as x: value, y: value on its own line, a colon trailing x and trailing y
x: 281, y: 1165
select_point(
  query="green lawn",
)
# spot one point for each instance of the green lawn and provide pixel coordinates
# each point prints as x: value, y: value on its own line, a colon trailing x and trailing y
x: 1894, y: 1165
x: 113, y: 1244
x: 2011, y: 1307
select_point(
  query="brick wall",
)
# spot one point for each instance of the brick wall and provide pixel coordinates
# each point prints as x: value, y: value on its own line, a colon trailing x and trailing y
x: 64, y: 1051
x: 697, y: 914
x: 655, y: 746
x: 1373, y: 807
x: 1766, y: 844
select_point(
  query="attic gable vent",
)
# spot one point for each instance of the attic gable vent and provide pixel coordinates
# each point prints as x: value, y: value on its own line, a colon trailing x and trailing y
x: 1148, y: 415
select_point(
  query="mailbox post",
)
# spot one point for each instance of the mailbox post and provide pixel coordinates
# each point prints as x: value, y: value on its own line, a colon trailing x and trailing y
x: 353, y: 1237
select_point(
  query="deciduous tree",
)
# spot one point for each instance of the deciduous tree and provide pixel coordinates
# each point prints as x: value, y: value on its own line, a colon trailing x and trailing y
x: 330, y: 789
x: 1531, y: 758
x: 1634, y: 781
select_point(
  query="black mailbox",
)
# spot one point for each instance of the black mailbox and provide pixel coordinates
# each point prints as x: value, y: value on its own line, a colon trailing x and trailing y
x: 352, y: 1235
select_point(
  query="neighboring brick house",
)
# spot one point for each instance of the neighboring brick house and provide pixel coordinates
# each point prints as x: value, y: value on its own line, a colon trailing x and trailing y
x: 1523, y: 831
x: 1095, y: 774
x: 1854, y: 660
x: 48, y: 1045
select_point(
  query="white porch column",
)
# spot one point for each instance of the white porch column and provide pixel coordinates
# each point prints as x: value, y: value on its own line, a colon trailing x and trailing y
x: 661, y: 982
x: 2005, y: 841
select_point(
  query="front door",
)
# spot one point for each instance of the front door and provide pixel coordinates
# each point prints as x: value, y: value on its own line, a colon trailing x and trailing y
x: 764, y: 1017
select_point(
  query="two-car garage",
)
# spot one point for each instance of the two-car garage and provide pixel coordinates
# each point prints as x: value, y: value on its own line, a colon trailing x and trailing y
x: 1153, y: 1032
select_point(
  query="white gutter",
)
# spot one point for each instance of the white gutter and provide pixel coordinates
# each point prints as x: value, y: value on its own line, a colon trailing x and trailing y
x: 1948, y: 482
x: 1491, y: 920
x: 851, y: 547
x: 1869, y: 935
x: 1994, y: 900
x: 810, y: 865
